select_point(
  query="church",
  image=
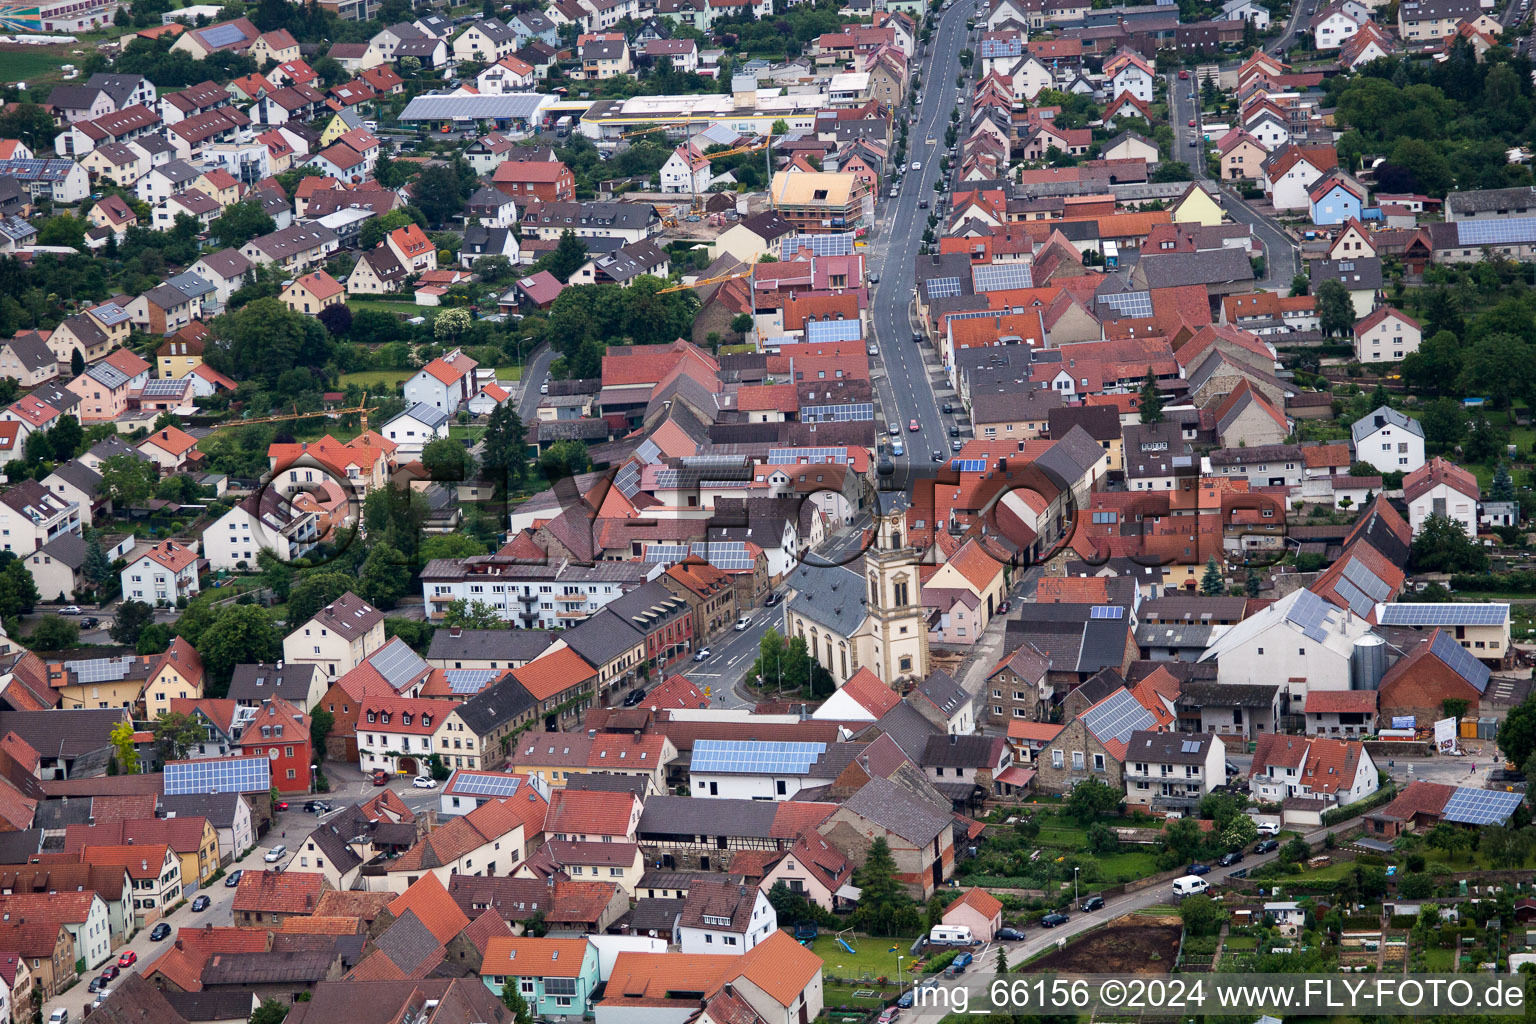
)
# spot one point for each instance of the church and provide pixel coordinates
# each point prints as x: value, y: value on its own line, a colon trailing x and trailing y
x: 871, y: 619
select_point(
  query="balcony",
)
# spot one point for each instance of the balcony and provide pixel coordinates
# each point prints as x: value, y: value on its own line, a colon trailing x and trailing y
x: 570, y: 598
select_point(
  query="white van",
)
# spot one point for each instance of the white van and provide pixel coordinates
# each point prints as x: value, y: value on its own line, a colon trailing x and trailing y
x: 1189, y: 885
x: 950, y: 935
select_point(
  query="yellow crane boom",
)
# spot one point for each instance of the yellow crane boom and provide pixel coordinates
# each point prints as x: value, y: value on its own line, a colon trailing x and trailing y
x: 702, y: 282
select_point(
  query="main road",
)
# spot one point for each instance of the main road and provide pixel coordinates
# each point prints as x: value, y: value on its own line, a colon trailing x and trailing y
x: 895, y: 247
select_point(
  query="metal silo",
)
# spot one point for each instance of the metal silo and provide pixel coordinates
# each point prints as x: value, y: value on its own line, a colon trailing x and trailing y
x: 1368, y: 662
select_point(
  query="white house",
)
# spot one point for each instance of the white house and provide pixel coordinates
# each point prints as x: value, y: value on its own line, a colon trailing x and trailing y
x: 162, y: 575
x: 724, y: 918
x: 1301, y: 639
x: 1173, y: 771
x: 1338, y: 772
x: 686, y: 171
x: 1332, y: 27
x: 398, y: 734
x: 337, y: 637
x: 486, y: 41
x: 414, y: 428
x: 1387, y: 335
x: 1128, y: 72
x: 265, y: 519
x: 1441, y: 488
x: 1246, y: 10
x: 716, y: 770
x: 443, y: 383
x: 1388, y: 440
x: 1290, y: 175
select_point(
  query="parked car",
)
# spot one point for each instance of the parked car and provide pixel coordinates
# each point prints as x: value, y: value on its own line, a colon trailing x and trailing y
x: 110, y: 971
x: 742, y: 622
x: 1268, y: 828
x: 59, y: 1016
x: 233, y: 878
x: 282, y: 805
x: 1091, y: 904
x: 910, y: 996
x: 634, y: 697
x: 1228, y: 859
x: 773, y: 599
x: 70, y: 609
x: 424, y: 782
x: 1266, y: 846
x: 200, y: 904
x: 160, y: 931
x: 874, y: 278
x: 962, y: 961
x: 1198, y: 869
x: 96, y: 985
x: 1009, y: 934
x: 888, y: 1014
x: 380, y: 777
x: 1052, y: 920
x: 895, y: 429
x: 128, y: 959
x: 702, y: 654
x: 317, y: 807
x: 956, y: 445
x: 89, y: 622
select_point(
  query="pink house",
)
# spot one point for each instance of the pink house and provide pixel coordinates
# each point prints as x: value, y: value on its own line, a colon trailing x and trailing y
x: 959, y: 621
x: 977, y: 910
x: 103, y: 391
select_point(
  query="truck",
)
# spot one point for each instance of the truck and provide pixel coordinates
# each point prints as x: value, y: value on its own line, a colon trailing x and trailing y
x: 563, y: 126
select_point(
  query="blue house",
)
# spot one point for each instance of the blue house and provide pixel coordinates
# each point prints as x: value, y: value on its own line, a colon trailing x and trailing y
x: 555, y: 976
x: 1335, y: 200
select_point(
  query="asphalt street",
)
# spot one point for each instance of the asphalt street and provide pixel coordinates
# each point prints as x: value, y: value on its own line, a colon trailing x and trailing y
x: 1282, y: 256
x: 906, y: 393
x: 534, y: 375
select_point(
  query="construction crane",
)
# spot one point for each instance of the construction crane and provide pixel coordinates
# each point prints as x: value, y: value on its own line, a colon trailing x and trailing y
x: 705, y: 281
x: 655, y: 128
x: 753, y: 148
x: 296, y: 415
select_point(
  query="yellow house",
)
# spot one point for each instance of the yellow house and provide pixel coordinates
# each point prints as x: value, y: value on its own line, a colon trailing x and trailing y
x: 278, y: 46
x: 557, y: 757
x: 113, y: 684
x: 175, y: 675
x: 1243, y: 159
x: 622, y: 863
x: 178, y: 356
x: 192, y: 840
x: 972, y: 569
x: 334, y: 129
x: 220, y: 186
x: 1196, y: 206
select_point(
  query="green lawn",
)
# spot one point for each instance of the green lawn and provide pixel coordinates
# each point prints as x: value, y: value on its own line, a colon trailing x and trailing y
x: 509, y: 373
x: 876, y: 956
x: 373, y: 379
x: 399, y: 307
x: 1437, y: 960
x: 37, y: 62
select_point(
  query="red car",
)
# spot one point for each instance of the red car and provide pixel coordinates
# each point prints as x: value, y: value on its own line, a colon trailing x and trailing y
x: 912, y: 426
x: 1191, y: 122
x: 282, y: 805
x: 128, y: 959
x: 1184, y: 74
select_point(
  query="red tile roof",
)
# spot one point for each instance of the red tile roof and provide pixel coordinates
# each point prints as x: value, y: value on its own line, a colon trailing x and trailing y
x: 432, y: 906
x: 273, y: 892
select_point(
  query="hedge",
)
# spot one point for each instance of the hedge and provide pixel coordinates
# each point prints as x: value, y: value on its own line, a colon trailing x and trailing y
x: 1377, y: 799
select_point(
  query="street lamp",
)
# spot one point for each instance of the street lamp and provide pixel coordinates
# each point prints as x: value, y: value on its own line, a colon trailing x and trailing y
x: 1074, y: 883
x: 898, y: 971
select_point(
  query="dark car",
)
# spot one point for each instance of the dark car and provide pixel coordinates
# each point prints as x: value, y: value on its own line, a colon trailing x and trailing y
x: 772, y: 600
x: 1197, y: 869
x: 1010, y: 934
x: 1266, y: 846
x: 954, y: 431
x: 89, y: 622
x: 160, y: 931
x: 97, y: 984
x: 200, y: 904
x: 1091, y: 904
x: 634, y: 697
x: 938, y: 456
x: 110, y: 972
x: 1052, y: 920
x: 1228, y: 859
x: 949, y: 407
x: 317, y: 807
x: 233, y: 879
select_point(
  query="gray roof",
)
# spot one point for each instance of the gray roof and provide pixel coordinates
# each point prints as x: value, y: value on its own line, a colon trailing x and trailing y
x: 951, y: 750
x: 63, y: 733
x: 655, y: 914
x: 1009, y: 403
x: 268, y: 968
x: 618, y: 216
x: 78, y: 475
x: 1212, y: 266
x: 437, y: 107
x: 1200, y: 693
x: 1191, y: 635
x: 1385, y: 416
x: 602, y: 637
x: 219, y: 808
x: 408, y: 942
x: 496, y: 705
x: 429, y: 415
x: 833, y: 597
x: 686, y: 816
x: 907, y: 728
x: 68, y: 548
x: 898, y: 811
x: 1510, y: 200
x: 1070, y: 457
x: 1168, y: 747
x: 943, y: 692
x: 1258, y: 453
x: 257, y: 682
x: 1356, y: 275
x: 499, y: 645
x: 215, y: 1004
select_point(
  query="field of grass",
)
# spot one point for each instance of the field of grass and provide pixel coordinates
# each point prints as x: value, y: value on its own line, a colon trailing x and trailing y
x: 396, y: 306
x: 509, y: 373
x: 374, y: 379
x: 1439, y: 960
x: 36, y: 63
x: 877, y: 957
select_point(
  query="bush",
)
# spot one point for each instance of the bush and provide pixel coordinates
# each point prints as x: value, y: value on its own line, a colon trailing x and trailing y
x: 943, y: 960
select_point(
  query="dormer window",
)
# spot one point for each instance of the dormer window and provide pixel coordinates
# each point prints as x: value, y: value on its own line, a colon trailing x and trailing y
x: 426, y: 721
x: 384, y: 717
x: 405, y: 718
x: 372, y: 717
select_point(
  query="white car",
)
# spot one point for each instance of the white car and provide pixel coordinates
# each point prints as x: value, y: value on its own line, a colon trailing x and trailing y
x: 917, y: 165
x: 276, y: 854
x: 70, y: 609
x: 873, y: 350
x: 742, y: 622
x: 701, y: 654
x: 1268, y: 828
x: 59, y: 1016
x: 424, y: 782
x: 544, y: 388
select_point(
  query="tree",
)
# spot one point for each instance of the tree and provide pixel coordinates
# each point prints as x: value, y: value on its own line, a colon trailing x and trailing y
x: 1449, y: 839
x: 883, y: 901
x: 321, y: 722
x: 447, y: 460
x: 385, y: 576
x: 63, y: 230
x: 441, y: 189
x: 76, y: 363
x: 563, y: 459
x: 1300, y: 285
x: 97, y: 568
x: 1151, y: 400
x: 1102, y: 839
x: 503, y: 458
x: 238, y: 634
x: 128, y: 479
x: 569, y: 256
x: 1335, y: 309
x: 336, y: 319
x: 239, y: 223
x: 1240, y: 831
x: 472, y: 615
x: 132, y: 617
x: 1485, y: 440
x: 1503, y: 486
x: 1444, y: 422
x: 741, y: 323
x: 1505, y: 847
x: 1212, y: 583
x: 1252, y: 583
x: 1002, y: 960
x: 1092, y: 799
x: 513, y: 1000
x: 451, y: 324
x: 1202, y: 915
x: 1437, y: 363
x: 1517, y: 733
x: 264, y: 339
x: 1443, y: 546
x: 436, y: 768
x: 64, y: 438
x: 18, y: 592
x: 1454, y: 707
x: 271, y: 1011
x: 934, y: 915
x: 121, y: 738
x: 1295, y: 851
x: 54, y: 633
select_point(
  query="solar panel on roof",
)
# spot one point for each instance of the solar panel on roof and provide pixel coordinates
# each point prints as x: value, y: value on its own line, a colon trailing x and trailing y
x: 469, y: 680
x: 1353, y: 596
x: 1311, y: 614
x: 1470, y: 806
x: 398, y: 664
x: 1504, y: 230
x: 832, y: 456
x: 727, y: 554
x: 1443, y: 614
x: 857, y: 412
x: 943, y: 287
x: 968, y: 465
x: 99, y: 670
x: 1358, y: 573
x: 162, y: 388
x: 222, y: 35
x: 1106, y: 611
x: 218, y: 775
x: 831, y: 244
x: 755, y: 756
x: 628, y: 479
x: 666, y: 552
x: 648, y: 453
x: 1116, y: 717
x: 1460, y: 661
x: 1137, y: 305
x: 485, y: 785
x: 823, y: 332
x: 992, y: 277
